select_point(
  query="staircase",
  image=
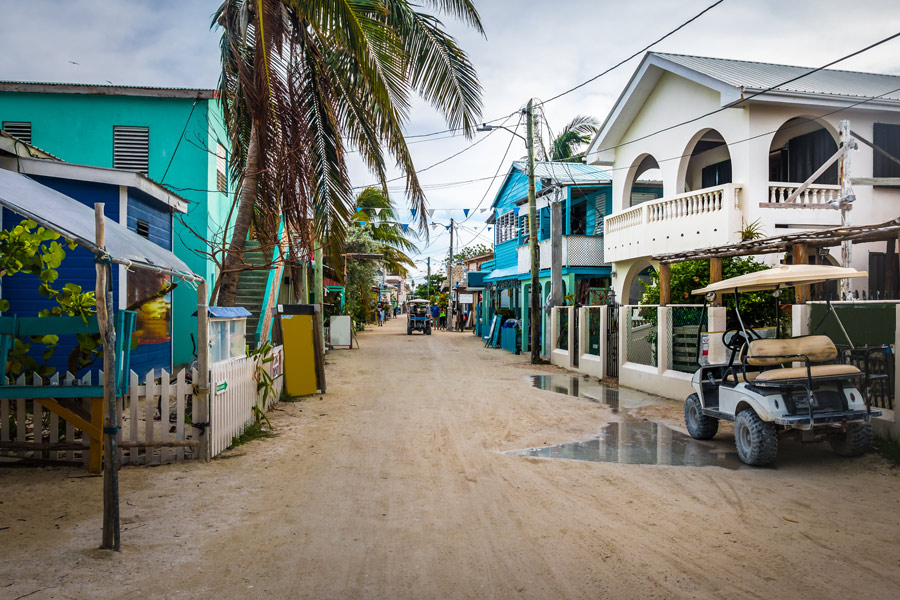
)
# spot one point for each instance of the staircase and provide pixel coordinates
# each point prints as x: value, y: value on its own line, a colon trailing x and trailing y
x: 251, y: 289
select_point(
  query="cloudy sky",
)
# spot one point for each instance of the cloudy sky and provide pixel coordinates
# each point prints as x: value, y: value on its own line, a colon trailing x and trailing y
x: 533, y: 48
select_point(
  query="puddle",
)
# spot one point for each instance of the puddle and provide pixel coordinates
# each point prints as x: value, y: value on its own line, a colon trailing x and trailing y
x: 641, y: 443
x: 633, y: 441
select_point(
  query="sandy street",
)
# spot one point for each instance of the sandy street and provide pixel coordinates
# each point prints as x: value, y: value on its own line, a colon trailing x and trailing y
x: 396, y: 485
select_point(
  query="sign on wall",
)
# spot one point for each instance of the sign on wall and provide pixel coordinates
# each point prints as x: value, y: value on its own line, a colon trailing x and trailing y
x: 466, y: 298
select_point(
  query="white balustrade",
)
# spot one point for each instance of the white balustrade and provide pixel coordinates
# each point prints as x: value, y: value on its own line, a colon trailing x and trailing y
x: 816, y: 194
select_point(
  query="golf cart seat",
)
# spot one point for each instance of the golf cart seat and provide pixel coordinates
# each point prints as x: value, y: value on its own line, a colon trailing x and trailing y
x: 811, y: 349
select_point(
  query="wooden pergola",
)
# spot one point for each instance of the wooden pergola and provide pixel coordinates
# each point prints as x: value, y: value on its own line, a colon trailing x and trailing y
x: 799, y: 244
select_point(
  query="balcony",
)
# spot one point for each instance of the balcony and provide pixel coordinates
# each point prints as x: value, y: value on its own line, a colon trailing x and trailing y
x: 700, y: 219
x: 577, y: 251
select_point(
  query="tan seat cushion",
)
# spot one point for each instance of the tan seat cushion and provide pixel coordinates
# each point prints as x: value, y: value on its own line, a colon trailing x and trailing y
x: 819, y: 348
x: 800, y: 372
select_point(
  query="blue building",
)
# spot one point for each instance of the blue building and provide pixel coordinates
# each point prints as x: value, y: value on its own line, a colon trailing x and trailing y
x: 586, y: 194
x: 131, y: 199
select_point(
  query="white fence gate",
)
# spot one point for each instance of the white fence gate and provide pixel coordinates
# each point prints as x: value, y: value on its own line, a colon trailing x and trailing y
x: 233, y: 394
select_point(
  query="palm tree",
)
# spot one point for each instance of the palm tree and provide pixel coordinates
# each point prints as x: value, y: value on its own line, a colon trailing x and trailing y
x: 579, y: 131
x: 375, y: 210
x: 302, y: 79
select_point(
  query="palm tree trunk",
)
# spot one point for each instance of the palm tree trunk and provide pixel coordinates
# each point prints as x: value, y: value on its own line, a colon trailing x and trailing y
x: 234, y: 260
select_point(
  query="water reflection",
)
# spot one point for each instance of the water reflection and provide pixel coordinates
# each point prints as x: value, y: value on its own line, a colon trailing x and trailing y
x: 641, y: 442
x: 579, y: 388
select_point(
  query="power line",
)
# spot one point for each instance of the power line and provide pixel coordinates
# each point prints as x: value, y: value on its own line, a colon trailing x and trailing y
x: 497, y: 173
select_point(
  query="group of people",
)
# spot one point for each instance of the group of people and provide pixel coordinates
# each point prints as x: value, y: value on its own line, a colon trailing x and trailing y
x: 384, y: 312
x: 439, y: 316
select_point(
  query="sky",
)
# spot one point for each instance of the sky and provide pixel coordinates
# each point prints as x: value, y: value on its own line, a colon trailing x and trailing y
x: 532, y: 49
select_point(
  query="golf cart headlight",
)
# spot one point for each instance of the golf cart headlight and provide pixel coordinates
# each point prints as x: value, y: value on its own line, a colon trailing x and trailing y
x: 710, y: 296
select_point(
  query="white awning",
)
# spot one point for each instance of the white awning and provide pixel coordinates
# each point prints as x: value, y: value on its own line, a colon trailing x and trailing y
x: 782, y: 276
x: 75, y: 221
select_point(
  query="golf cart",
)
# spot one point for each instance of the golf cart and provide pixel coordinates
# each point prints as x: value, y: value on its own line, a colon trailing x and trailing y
x: 418, y: 316
x: 771, y: 387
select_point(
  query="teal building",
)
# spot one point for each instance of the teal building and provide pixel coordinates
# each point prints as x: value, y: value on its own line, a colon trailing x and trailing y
x: 175, y: 136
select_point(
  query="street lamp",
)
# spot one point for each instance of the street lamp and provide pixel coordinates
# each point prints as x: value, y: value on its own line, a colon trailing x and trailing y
x: 532, y: 230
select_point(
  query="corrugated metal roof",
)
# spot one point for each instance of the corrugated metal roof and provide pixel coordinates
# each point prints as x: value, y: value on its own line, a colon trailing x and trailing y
x: 105, y: 89
x: 757, y: 76
x: 566, y: 173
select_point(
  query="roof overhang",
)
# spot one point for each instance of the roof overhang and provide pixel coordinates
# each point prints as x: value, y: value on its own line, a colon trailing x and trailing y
x: 35, y: 87
x: 119, y: 177
x: 782, y: 276
x: 76, y: 221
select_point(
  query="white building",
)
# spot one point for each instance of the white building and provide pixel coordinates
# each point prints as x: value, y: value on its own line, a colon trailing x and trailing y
x: 727, y: 160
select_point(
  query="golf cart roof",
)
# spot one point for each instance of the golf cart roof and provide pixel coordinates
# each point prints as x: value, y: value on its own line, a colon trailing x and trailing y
x: 782, y: 276
x: 417, y: 301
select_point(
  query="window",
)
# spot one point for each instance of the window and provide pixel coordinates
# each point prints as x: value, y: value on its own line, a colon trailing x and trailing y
x: 505, y: 228
x: 131, y: 148
x: 887, y: 137
x: 19, y: 129
x: 801, y: 156
x: 143, y: 228
x: 599, y: 212
x: 523, y: 226
x: 221, y: 169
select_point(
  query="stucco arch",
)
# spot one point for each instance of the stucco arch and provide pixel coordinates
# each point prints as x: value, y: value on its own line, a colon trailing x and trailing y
x: 705, y: 148
x: 784, y: 167
x: 628, y: 295
x: 642, y: 164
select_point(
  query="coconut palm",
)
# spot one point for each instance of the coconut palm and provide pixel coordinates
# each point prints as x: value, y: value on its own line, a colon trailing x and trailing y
x: 375, y: 212
x: 301, y: 80
x: 578, y: 132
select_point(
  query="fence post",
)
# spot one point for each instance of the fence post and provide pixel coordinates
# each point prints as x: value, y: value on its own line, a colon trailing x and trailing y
x: 663, y: 335
x: 571, y: 335
x: 554, y: 331
x: 624, y: 326
x: 583, y: 331
x: 602, y: 347
x: 800, y: 319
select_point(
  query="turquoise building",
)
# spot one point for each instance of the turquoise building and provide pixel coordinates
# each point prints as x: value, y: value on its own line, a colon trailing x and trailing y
x: 175, y: 136
x: 586, y: 194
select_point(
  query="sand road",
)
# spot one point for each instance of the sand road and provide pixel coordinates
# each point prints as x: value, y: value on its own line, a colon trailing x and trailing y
x: 396, y: 485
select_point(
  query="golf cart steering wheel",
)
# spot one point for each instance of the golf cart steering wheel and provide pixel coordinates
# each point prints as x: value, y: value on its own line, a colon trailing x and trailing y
x: 735, y: 342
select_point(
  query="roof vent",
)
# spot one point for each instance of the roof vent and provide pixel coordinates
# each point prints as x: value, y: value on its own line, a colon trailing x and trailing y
x: 131, y: 148
x: 18, y: 129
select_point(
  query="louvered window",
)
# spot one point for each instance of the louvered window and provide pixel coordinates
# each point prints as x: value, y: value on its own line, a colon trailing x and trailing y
x: 887, y: 137
x: 131, y: 148
x: 143, y: 228
x: 19, y: 129
x: 221, y: 169
x: 599, y: 212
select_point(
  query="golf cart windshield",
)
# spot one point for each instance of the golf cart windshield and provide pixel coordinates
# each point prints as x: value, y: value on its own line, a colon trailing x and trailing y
x: 418, y: 309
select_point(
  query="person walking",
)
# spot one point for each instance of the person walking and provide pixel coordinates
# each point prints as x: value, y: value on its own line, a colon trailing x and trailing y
x: 443, y: 321
x: 380, y: 317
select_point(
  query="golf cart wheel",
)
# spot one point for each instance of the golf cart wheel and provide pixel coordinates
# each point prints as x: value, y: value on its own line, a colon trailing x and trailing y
x: 409, y: 331
x: 856, y: 441
x: 428, y: 330
x: 756, y: 441
x: 700, y: 426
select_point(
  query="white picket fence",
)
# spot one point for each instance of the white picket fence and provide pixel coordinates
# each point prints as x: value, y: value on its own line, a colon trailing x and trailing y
x: 233, y: 394
x: 155, y: 417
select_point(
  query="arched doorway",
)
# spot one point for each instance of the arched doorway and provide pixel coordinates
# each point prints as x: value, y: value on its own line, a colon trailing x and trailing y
x: 644, y: 182
x: 799, y: 147
x: 639, y: 273
x: 706, y: 162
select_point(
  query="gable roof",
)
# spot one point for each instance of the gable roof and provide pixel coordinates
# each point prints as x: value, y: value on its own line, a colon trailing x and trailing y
x: 734, y: 80
x: 560, y: 173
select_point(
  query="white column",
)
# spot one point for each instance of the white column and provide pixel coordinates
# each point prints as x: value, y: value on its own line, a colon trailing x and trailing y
x: 603, y: 347
x: 623, y: 335
x: 800, y: 314
x: 571, y: 334
x: 663, y: 357
x: 716, y: 327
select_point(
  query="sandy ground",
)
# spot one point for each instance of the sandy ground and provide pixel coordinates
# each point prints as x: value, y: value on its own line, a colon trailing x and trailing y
x: 395, y: 485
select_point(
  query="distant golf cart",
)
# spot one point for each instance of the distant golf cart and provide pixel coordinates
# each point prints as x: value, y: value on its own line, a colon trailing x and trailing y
x: 419, y: 316
x: 765, y: 394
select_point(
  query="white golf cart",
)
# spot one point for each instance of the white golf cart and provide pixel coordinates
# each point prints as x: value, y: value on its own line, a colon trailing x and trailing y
x: 771, y: 387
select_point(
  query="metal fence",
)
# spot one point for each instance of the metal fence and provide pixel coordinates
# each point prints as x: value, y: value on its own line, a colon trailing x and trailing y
x: 594, y: 333
x: 685, y: 321
x: 641, y: 335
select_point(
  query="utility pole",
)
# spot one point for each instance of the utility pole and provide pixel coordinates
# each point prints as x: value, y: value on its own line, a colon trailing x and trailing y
x: 450, y: 282
x: 846, y: 205
x: 532, y: 240
x: 428, y: 280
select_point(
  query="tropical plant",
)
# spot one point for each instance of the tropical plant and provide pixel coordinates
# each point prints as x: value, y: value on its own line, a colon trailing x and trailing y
x: 375, y: 212
x: 301, y: 80
x: 265, y: 383
x: 470, y: 252
x: 576, y: 133
x: 751, y: 231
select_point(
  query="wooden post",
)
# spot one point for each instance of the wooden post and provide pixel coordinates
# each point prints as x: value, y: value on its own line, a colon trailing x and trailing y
x: 201, y: 388
x: 103, y: 296
x: 715, y: 275
x: 801, y: 257
x: 665, y: 289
